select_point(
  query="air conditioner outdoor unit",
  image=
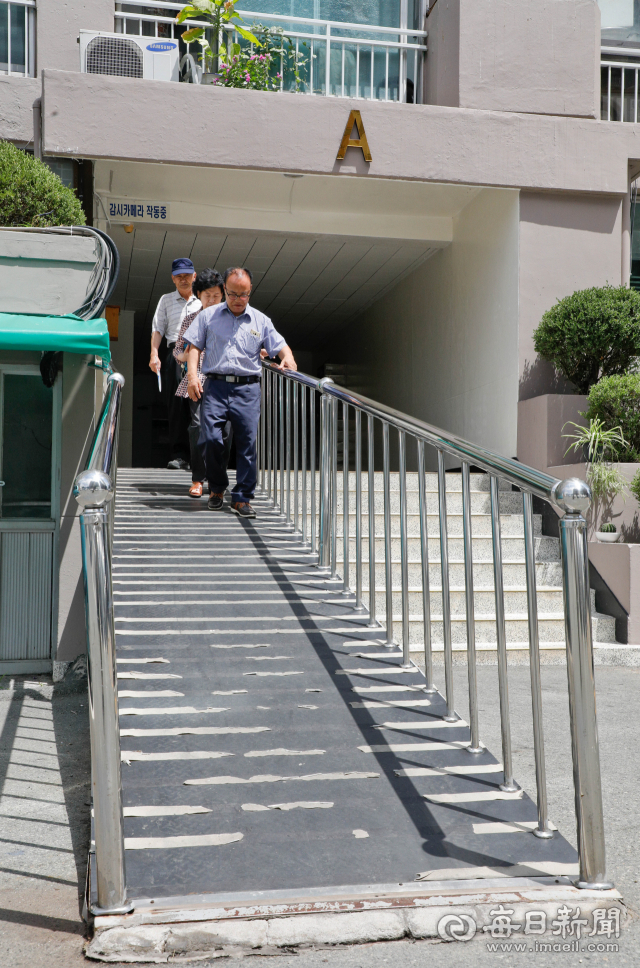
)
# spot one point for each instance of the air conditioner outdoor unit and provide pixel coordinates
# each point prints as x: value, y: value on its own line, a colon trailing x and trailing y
x: 127, y: 55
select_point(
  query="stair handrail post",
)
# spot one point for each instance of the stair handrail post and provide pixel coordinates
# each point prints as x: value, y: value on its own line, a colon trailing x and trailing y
x: 94, y: 491
x: 326, y: 452
x: 573, y: 496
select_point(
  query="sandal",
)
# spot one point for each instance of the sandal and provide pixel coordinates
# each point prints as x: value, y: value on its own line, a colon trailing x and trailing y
x: 196, y: 489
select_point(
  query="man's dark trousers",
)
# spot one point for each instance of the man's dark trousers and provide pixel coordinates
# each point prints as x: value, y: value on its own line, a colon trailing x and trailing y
x: 240, y: 404
x: 178, y: 408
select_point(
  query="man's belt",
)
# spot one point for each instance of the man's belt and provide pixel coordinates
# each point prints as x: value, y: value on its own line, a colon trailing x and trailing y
x: 228, y: 378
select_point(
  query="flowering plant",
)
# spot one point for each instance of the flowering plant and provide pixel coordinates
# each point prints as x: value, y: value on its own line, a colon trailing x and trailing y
x: 244, y: 69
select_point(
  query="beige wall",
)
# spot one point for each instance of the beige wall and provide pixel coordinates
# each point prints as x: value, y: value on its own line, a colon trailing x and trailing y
x: 443, y: 344
x: 77, y: 428
x: 95, y: 116
x: 57, y: 25
x: 567, y: 242
x: 540, y: 57
x: 17, y: 97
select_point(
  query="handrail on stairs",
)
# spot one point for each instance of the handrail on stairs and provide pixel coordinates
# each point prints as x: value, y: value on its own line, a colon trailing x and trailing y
x: 294, y: 407
x: 94, y: 491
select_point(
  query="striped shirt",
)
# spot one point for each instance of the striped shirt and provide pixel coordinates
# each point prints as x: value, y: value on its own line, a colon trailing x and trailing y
x: 179, y: 348
x: 170, y: 312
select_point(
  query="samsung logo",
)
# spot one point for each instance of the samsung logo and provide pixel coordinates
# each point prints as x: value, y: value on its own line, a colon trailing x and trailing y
x: 157, y: 48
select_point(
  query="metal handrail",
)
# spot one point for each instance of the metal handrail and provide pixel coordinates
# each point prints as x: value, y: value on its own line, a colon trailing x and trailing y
x: 296, y: 406
x: 94, y: 491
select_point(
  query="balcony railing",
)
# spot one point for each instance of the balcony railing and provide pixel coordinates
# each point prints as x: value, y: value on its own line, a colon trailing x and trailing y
x: 342, y: 59
x: 18, y: 38
x: 619, y: 85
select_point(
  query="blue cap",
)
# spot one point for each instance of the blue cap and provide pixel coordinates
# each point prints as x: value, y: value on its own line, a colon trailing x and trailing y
x: 182, y: 265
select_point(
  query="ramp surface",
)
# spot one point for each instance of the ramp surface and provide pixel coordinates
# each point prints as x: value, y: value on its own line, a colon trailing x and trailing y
x: 269, y: 742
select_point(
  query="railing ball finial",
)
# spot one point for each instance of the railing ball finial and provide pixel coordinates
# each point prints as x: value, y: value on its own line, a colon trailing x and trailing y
x: 93, y: 489
x: 572, y: 495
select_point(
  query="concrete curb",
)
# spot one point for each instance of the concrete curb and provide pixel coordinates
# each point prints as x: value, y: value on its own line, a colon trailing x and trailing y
x: 139, y: 938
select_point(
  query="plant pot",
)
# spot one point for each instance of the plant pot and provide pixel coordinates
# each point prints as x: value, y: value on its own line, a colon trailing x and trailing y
x: 208, y: 77
x: 607, y: 536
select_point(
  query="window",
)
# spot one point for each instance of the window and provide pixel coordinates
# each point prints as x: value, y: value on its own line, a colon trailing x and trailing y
x: 17, y: 38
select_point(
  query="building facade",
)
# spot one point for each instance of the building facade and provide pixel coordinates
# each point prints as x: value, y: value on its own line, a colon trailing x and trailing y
x: 493, y: 186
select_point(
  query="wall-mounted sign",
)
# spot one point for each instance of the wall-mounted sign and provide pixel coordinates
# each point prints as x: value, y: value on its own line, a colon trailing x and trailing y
x: 128, y: 210
x: 355, y: 118
x: 161, y: 47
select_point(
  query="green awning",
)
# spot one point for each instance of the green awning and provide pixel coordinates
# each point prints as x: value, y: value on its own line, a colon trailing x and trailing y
x: 38, y: 331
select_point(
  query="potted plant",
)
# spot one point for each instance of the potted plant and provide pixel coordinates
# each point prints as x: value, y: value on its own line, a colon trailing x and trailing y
x: 219, y: 14
x: 607, y: 532
x: 602, y: 446
x: 262, y: 66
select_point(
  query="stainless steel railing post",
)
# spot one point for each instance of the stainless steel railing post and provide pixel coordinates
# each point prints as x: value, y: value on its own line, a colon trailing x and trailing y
x: 508, y: 783
x: 333, y: 451
x: 283, y: 506
x: 305, y: 432
x: 404, y: 551
x: 312, y: 470
x: 346, y: 538
x: 474, y: 745
x: 260, y: 438
x: 574, y: 497
x: 296, y: 504
x: 373, y: 622
x: 94, y: 491
x: 324, y: 555
x: 268, y: 377
x: 542, y: 830
x: 103, y: 705
x: 388, y: 560
x: 424, y: 561
x: 451, y: 716
x: 359, y: 607
x: 288, y: 446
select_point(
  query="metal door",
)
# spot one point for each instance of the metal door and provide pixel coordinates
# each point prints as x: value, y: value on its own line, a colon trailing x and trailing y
x: 29, y: 471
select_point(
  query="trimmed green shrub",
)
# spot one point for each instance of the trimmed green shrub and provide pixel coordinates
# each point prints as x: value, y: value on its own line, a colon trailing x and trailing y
x: 31, y: 194
x: 591, y: 334
x: 615, y: 400
x: 634, y: 487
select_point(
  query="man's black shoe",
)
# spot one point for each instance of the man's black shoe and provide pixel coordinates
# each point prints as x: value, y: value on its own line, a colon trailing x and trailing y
x: 243, y: 510
x: 215, y: 502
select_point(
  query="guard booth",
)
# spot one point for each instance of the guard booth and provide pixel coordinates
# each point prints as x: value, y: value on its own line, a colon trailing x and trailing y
x: 54, y: 354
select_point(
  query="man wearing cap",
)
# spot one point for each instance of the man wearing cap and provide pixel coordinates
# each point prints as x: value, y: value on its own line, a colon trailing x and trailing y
x: 171, y: 310
x: 232, y: 335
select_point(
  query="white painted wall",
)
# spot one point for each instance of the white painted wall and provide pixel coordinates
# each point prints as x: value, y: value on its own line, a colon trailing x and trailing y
x: 443, y: 344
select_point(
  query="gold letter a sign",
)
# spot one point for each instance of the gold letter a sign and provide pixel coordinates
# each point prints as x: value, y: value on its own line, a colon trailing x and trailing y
x: 348, y: 142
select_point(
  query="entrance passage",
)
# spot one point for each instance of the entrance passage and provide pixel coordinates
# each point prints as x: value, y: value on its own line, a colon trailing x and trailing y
x: 269, y: 741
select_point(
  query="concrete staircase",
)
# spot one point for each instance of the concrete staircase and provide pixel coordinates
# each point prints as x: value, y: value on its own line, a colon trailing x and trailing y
x: 548, y: 567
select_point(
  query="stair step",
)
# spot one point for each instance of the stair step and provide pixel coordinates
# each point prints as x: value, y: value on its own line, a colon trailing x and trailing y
x: 550, y: 628
x: 546, y: 549
x: 515, y: 601
x: 510, y: 502
x: 510, y: 524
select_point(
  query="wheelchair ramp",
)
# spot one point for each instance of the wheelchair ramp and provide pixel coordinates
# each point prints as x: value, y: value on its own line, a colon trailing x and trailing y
x: 276, y: 757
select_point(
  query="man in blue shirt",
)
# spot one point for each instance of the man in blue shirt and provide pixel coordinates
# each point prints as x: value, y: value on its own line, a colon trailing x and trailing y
x: 232, y: 335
